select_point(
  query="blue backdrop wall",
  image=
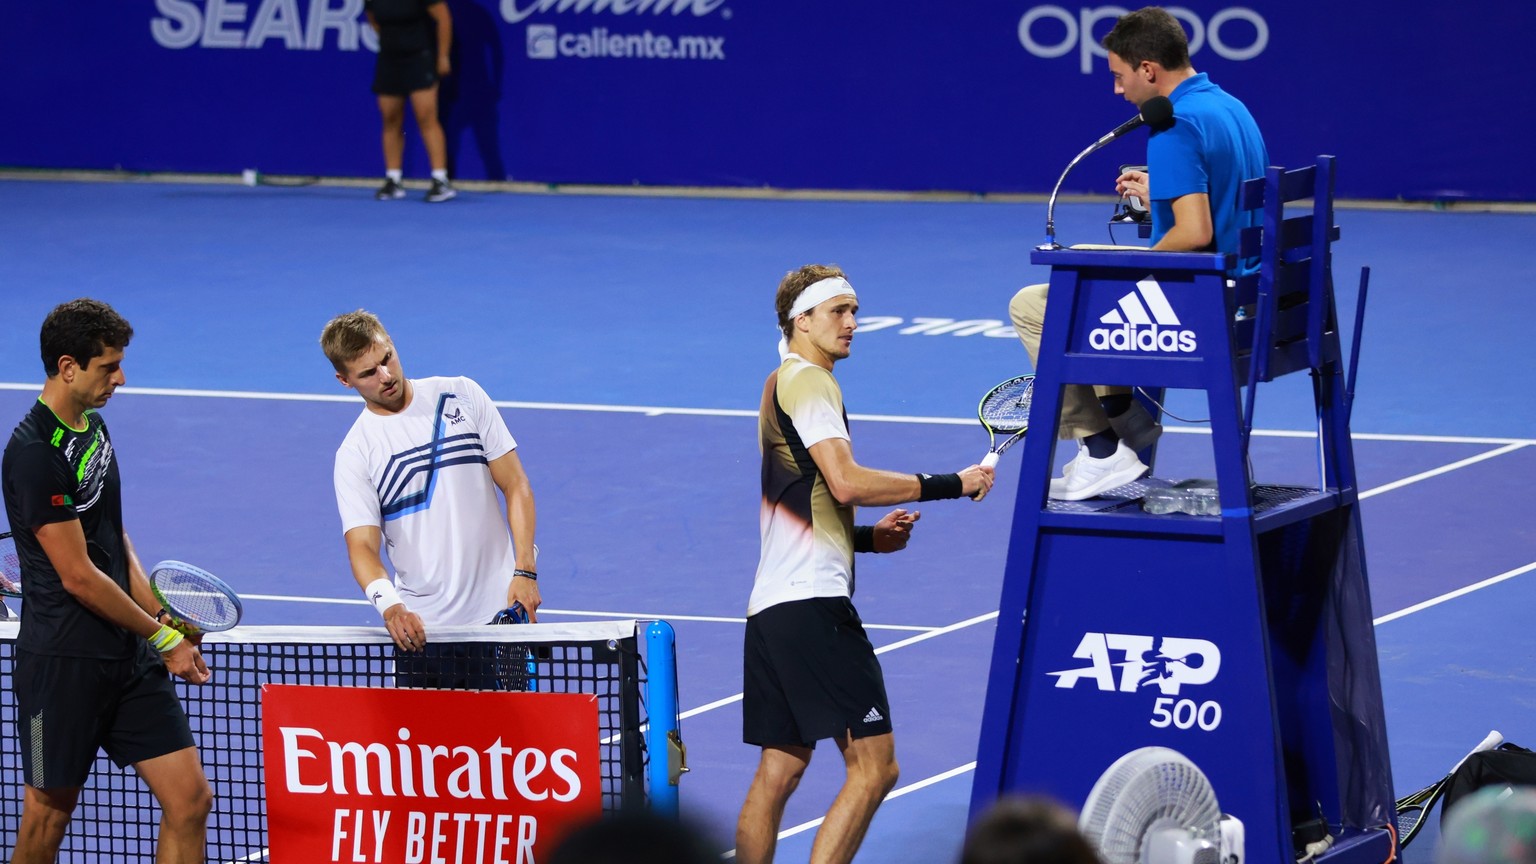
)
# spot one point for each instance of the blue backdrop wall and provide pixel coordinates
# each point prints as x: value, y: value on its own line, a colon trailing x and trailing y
x: 1418, y: 101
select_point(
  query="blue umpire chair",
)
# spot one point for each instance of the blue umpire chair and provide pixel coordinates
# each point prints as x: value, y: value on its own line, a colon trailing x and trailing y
x: 1243, y: 640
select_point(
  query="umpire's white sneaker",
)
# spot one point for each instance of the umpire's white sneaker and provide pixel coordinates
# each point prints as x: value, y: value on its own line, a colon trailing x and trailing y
x: 1086, y: 477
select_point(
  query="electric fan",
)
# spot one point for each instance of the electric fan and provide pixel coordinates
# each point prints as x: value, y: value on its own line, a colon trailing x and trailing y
x: 1154, y: 806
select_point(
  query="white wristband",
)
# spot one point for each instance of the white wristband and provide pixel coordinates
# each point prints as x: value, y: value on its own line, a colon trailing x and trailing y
x: 381, y: 593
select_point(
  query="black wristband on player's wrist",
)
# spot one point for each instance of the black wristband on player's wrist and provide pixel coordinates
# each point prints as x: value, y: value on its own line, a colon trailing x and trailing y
x: 863, y: 538
x: 934, y: 487
x: 526, y: 574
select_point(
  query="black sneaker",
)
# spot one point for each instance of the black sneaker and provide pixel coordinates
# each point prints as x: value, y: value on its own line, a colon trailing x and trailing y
x: 441, y: 191
x: 389, y: 191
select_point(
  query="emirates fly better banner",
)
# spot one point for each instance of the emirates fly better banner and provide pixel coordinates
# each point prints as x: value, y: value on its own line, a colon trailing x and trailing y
x: 361, y: 774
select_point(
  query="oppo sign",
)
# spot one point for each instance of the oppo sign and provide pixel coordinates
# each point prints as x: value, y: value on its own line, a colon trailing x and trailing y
x: 1079, y: 32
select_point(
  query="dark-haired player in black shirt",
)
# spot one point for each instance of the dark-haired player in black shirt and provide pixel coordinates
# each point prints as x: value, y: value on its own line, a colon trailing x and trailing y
x: 414, y: 38
x: 87, y: 674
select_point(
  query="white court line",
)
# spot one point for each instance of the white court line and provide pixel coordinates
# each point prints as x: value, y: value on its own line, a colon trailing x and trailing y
x: 1444, y: 469
x: 295, y: 599
x: 657, y: 411
x: 897, y: 793
x: 710, y: 619
x: 1452, y: 595
x: 640, y: 616
x: 1363, y: 436
x: 930, y: 631
x: 970, y: 766
x: 910, y: 640
x: 1511, y: 444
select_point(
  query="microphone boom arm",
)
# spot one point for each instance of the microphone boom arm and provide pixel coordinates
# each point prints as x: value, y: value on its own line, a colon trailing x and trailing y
x: 1050, y: 209
x: 1156, y: 111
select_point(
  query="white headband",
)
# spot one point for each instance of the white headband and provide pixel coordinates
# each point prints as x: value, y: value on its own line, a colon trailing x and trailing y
x: 818, y: 293
x: 814, y: 295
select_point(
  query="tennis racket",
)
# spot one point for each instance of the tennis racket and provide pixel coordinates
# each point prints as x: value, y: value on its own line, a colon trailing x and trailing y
x: 1005, y: 411
x: 516, y: 667
x: 1411, y: 809
x: 10, y: 563
x: 10, y: 567
x: 198, y: 601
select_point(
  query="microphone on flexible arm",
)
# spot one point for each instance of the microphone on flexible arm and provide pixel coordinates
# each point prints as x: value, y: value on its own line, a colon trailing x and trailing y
x: 1155, y: 112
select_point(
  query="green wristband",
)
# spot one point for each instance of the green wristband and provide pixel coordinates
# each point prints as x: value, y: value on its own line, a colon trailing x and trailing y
x: 165, y: 639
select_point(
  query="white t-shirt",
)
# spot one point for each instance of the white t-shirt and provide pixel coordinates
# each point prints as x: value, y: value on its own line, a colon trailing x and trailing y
x: 422, y: 477
x: 807, y: 535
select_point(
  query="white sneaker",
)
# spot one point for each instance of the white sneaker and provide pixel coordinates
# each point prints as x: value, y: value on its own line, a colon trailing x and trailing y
x: 1059, y: 484
x: 1089, y: 477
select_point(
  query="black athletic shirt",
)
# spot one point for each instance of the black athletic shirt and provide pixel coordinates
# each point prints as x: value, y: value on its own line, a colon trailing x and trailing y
x: 52, y: 473
x: 405, y: 26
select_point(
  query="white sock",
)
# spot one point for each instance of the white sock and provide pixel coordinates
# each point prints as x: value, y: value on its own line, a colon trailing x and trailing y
x: 440, y: 175
x: 394, y: 175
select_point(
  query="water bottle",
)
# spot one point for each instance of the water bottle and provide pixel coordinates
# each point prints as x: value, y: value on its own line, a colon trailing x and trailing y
x: 1194, y: 497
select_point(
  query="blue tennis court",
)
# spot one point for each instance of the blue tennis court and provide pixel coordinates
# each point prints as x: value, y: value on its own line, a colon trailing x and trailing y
x: 626, y: 339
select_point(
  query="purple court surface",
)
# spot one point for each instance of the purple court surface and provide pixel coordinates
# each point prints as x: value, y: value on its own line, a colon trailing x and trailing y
x: 627, y: 339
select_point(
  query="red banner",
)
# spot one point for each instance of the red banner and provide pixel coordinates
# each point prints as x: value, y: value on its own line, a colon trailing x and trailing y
x: 364, y: 774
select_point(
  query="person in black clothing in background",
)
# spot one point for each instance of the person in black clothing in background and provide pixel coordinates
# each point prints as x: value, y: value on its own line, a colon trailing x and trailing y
x: 414, y: 38
x: 91, y: 658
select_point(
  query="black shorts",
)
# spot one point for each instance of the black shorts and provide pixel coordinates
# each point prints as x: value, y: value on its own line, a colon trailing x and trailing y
x: 70, y: 707
x: 809, y: 672
x: 404, y: 74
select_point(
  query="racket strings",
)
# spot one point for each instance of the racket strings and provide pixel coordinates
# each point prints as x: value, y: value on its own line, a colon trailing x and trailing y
x: 1006, y: 408
x: 191, y: 597
x: 516, y: 667
x: 10, y: 566
x: 1412, y: 809
x: 1408, y: 819
x: 199, y: 606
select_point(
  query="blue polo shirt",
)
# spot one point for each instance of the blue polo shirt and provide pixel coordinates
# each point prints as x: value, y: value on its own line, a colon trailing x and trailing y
x: 1212, y: 147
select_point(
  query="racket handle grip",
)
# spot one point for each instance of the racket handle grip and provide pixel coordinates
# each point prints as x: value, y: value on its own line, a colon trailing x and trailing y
x: 990, y: 460
x: 1494, y: 739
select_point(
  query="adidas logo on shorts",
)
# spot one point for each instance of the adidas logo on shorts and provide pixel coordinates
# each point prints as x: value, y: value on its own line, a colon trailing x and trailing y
x: 873, y: 716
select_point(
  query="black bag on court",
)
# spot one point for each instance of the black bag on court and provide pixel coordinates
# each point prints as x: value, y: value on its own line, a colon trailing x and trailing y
x: 1506, y: 765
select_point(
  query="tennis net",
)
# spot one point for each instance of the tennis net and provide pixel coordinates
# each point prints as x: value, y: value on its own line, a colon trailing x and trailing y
x: 117, y: 819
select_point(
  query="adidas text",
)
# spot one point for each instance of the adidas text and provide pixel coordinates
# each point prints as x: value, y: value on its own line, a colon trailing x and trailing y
x: 1129, y: 337
x: 1142, y: 320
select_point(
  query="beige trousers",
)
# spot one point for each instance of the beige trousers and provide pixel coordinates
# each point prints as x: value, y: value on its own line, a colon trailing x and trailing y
x: 1081, y: 413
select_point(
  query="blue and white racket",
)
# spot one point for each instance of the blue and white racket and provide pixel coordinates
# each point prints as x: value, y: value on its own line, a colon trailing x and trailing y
x: 198, y: 601
x: 517, y: 669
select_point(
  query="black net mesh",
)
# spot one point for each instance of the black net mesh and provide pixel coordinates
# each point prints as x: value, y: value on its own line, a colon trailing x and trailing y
x: 117, y: 818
